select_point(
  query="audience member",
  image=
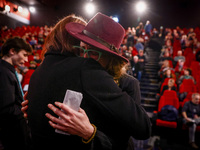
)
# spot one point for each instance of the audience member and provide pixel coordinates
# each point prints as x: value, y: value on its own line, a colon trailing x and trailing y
x: 141, y: 61
x: 139, y: 44
x: 179, y: 57
x: 148, y: 28
x: 130, y: 38
x: 166, y: 56
x: 169, y: 86
x: 168, y: 73
x: 37, y: 58
x: 139, y: 29
x: 135, y: 66
x: 187, y: 75
x: 179, y: 69
x: 191, y: 117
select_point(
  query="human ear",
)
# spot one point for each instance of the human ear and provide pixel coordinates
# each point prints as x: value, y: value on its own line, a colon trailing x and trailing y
x: 12, y: 51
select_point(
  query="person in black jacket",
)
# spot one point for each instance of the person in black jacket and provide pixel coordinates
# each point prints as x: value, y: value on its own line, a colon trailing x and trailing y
x: 13, y: 127
x: 191, y: 117
x: 107, y: 107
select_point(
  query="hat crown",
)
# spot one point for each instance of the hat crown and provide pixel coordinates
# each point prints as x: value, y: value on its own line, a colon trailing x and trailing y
x: 106, y: 29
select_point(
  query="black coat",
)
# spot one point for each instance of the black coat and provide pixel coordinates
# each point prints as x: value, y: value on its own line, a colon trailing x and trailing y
x: 14, y: 131
x: 114, y: 112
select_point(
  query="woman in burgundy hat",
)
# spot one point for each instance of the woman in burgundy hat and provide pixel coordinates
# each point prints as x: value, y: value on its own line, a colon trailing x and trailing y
x: 114, y: 112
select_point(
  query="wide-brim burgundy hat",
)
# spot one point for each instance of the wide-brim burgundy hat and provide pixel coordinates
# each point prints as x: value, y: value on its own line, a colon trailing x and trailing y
x: 101, y: 32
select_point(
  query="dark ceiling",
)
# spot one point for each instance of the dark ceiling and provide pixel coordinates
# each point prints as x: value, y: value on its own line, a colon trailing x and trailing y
x: 168, y: 13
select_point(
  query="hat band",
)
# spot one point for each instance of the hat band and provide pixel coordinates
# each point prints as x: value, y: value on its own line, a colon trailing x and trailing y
x: 98, y: 39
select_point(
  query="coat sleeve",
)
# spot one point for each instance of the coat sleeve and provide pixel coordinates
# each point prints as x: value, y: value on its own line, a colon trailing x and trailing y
x: 100, y: 142
x: 115, y: 104
x: 8, y: 103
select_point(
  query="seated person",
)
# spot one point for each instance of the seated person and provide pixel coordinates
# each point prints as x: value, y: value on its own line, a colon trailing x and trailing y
x: 179, y: 57
x: 166, y: 56
x: 165, y: 66
x: 167, y: 74
x: 187, y: 75
x: 179, y: 69
x: 169, y: 86
x: 191, y: 117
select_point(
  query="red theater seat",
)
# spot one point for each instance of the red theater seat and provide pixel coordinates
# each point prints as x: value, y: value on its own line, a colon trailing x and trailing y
x: 187, y: 86
x: 168, y: 98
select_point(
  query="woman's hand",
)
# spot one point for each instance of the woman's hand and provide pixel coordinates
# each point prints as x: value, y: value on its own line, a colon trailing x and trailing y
x: 70, y: 121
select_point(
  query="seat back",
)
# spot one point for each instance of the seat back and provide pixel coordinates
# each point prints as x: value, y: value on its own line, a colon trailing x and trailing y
x: 169, y: 97
x: 187, y: 86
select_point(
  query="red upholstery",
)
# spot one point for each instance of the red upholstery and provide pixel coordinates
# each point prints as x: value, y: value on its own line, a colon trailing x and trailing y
x: 188, y: 98
x: 168, y: 98
x: 164, y: 123
x: 166, y: 82
x: 27, y: 77
x: 187, y: 86
x: 189, y: 58
x: 195, y: 67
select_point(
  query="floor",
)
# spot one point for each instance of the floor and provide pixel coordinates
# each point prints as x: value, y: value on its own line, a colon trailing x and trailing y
x: 166, y: 139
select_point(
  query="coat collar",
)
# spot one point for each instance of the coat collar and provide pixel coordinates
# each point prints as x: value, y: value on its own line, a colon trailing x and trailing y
x: 7, y: 65
x: 55, y: 52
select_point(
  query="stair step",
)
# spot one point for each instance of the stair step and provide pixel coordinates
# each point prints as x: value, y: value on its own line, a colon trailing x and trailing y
x: 149, y: 89
x: 150, y: 76
x: 149, y: 105
x: 152, y: 62
x: 148, y: 93
x: 150, y: 69
x: 149, y: 84
x: 149, y: 80
x: 148, y: 100
x: 151, y: 72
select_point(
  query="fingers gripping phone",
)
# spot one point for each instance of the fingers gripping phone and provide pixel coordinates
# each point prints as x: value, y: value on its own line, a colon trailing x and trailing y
x: 73, y: 99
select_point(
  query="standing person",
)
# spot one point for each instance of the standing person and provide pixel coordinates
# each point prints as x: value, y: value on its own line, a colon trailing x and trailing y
x: 135, y: 66
x: 102, y: 98
x: 141, y: 61
x: 191, y: 117
x: 14, y: 131
x: 148, y: 28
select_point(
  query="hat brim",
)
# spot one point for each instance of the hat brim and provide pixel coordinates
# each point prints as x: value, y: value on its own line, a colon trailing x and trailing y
x: 75, y: 30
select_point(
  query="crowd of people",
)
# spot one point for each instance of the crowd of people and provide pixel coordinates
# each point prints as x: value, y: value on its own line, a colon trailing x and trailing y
x: 180, y: 72
x: 179, y: 61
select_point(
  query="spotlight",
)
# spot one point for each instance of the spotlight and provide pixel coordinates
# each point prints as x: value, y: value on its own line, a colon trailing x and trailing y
x: 32, y: 9
x: 141, y: 6
x: 90, y: 8
x: 20, y: 9
x: 116, y: 19
x: 7, y: 8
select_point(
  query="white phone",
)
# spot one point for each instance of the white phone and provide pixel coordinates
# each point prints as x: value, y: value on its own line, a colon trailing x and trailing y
x: 73, y: 99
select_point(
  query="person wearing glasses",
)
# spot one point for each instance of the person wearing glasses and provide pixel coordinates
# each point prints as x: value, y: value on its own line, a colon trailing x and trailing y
x: 109, y: 109
x: 191, y: 117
